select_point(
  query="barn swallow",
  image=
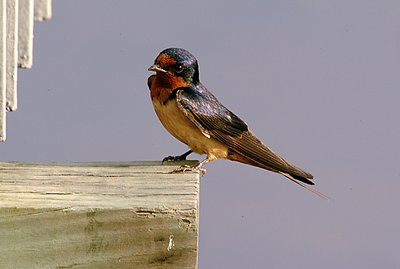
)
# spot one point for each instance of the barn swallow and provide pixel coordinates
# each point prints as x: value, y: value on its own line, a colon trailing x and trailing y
x: 194, y: 116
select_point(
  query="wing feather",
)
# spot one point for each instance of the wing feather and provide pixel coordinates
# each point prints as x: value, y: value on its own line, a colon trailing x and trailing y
x: 218, y: 122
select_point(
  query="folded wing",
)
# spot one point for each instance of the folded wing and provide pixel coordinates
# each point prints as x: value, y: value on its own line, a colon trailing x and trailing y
x: 214, y: 119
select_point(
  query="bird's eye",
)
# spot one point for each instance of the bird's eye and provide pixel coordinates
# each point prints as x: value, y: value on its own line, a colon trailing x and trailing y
x: 178, y: 68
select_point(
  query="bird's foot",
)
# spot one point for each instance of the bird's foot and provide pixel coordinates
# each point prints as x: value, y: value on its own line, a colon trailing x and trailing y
x: 197, y: 168
x: 176, y: 158
x: 188, y: 168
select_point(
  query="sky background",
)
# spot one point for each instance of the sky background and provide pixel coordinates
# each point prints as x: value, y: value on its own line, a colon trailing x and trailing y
x: 318, y: 81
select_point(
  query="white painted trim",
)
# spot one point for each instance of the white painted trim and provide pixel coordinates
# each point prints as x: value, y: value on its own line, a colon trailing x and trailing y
x: 42, y: 10
x: 12, y: 54
x: 2, y: 70
x: 25, y: 33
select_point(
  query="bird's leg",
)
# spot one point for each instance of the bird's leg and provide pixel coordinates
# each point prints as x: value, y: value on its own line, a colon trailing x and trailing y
x: 177, y: 158
x: 196, y: 168
x: 200, y: 168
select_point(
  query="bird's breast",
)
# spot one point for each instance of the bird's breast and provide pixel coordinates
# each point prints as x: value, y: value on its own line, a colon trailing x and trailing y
x: 180, y: 126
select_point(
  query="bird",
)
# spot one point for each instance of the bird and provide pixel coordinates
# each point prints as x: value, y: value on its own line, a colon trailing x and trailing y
x: 194, y: 116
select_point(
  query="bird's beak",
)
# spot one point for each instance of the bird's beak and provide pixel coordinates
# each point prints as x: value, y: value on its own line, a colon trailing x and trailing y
x: 156, y: 68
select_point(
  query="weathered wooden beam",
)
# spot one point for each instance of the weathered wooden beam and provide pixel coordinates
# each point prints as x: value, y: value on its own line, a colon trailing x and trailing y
x: 98, y: 215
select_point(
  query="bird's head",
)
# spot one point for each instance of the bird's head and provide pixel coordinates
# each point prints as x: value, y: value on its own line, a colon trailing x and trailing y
x: 176, y: 64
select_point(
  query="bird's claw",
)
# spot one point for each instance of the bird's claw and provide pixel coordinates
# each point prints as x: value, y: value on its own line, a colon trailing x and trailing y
x: 177, y: 158
x: 173, y: 159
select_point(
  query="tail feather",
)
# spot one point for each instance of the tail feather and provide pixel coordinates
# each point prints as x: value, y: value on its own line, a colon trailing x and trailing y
x: 301, y: 183
x: 301, y: 175
x: 303, y: 179
x: 254, y: 151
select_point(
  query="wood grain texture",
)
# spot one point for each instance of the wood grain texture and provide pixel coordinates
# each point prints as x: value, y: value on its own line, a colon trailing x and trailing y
x: 97, y: 215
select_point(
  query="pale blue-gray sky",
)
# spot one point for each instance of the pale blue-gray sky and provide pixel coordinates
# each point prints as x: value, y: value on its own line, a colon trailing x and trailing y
x: 318, y: 81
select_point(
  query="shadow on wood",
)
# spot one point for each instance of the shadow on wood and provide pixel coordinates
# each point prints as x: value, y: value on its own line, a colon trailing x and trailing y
x: 98, y: 215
